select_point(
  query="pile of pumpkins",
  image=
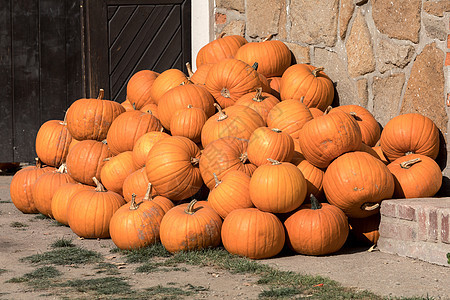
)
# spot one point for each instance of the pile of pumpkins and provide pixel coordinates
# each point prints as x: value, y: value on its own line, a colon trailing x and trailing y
x: 245, y: 152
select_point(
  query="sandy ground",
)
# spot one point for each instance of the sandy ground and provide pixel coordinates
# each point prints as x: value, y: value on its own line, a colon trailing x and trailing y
x: 381, y: 273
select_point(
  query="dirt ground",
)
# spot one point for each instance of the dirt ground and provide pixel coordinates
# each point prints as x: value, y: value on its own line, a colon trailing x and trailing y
x: 381, y: 273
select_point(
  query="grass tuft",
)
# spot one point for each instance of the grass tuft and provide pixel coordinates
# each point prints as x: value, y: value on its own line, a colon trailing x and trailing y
x: 107, y: 268
x: 42, y: 217
x: 62, y: 243
x: 40, y: 278
x: 100, y: 286
x: 65, y: 256
x: 143, y: 255
x: 3, y: 271
x: 18, y: 225
x: 164, y: 292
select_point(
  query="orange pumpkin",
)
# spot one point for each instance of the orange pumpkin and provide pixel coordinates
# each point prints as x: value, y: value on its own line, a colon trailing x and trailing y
x: 128, y: 128
x: 415, y: 176
x: 61, y: 198
x: 357, y: 182
x: 366, y: 230
x: 302, y: 80
x: 21, y: 187
x: 187, y: 227
x: 200, y: 75
x: 135, y: 183
x: 317, y: 229
x: 273, y: 57
x: 127, y: 105
x: 164, y: 202
x: 172, y: 168
x: 235, y: 121
x: 52, y: 143
x: 166, y: 81
x: 90, y: 211
x: 151, y: 108
x: 143, y: 145
x: 260, y: 102
x: 222, y: 156
x: 252, y: 233
x: 312, y: 174
x: 221, y: 48
x: 90, y: 119
x: 315, y: 112
x: 136, y: 225
x: 138, y: 88
x: 410, y: 133
x: 380, y: 154
x: 188, y: 122
x: 272, y: 143
x: 116, y: 170
x: 230, y: 193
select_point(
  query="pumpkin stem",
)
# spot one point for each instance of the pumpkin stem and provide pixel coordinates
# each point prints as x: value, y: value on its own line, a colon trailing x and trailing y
x: 317, y: 70
x: 302, y: 99
x: 62, y: 169
x: 217, y: 180
x: 355, y: 116
x: 133, y: 204
x: 38, y: 162
x: 221, y: 35
x: 194, y: 161
x: 243, y: 157
x: 315, y: 204
x: 105, y: 142
x: 255, y: 66
x: 189, y: 106
x: 225, y: 93
x: 327, y: 110
x: 148, y: 193
x: 258, y: 96
x: 268, y: 38
x: 274, y: 162
x: 101, y: 94
x: 409, y: 152
x: 408, y: 164
x: 107, y: 159
x: 369, y: 206
x: 190, y: 209
x: 276, y: 130
x: 133, y: 105
x: 189, y: 69
x: 64, y: 122
x: 100, y: 187
x: 222, y: 114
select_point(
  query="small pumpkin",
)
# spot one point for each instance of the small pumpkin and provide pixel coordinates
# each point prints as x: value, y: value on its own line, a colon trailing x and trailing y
x: 52, y: 143
x: 164, y: 202
x: 221, y: 48
x: 260, y: 101
x: 313, y: 176
x: 187, y: 227
x: 366, y: 230
x: 199, y: 76
x: 166, y: 81
x: 272, y: 143
x: 138, y: 88
x: 135, y: 183
x: 151, y: 108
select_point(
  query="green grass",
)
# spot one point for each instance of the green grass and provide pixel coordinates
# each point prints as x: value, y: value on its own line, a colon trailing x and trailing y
x: 163, y: 292
x: 100, y: 286
x: 62, y: 243
x: 18, y: 225
x: 448, y: 258
x: 42, y: 217
x: 143, y: 255
x: 65, y: 256
x: 106, y: 268
x: 3, y: 271
x: 5, y: 201
x: 40, y: 279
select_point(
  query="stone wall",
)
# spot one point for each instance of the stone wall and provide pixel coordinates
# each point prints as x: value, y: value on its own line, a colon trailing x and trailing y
x: 391, y: 57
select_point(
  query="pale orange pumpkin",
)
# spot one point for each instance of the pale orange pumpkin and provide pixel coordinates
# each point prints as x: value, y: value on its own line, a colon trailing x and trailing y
x: 166, y: 81
x: 52, y: 143
x: 221, y: 48
x: 143, y: 145
x: 138, y: 88
x: 116, y: 170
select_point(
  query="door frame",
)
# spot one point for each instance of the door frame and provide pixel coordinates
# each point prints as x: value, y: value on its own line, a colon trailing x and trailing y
x: 202, y: 26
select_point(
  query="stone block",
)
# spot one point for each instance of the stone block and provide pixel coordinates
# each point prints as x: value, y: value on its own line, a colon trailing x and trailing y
x: 404, y: 231
x: 391, y: 54
x: 238, y: 5
x: 386, y: 97
x: 266, y: 17
x: 435, y: 28
x: 301, y: 54
x: 345, y: 14
x: 362, y: 92
x: 445, y: 228
x: 235, y: 27
x: 388, y: 209
x: 436, y: 7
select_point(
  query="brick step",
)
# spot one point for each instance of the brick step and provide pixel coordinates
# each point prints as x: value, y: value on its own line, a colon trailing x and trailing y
x: 416, y: 228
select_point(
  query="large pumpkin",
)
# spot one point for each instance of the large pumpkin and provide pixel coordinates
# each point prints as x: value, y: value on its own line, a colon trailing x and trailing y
x: 325, y: 138
x: 235, y: 121
x: 86, y: 159
x: 190, y: 227
x: 21, y: 187
x: 317, y: 229
x: 90, y: 211
x: 260, y: 101
x: 273, y: 57
x: 136, y: 225
x: 222, y: 156
x: 115, y: 170
x: 166, y: 81
x: 272, y: 143
x: 172, y: 168
x: 415, y: 176
x: 410, y: 133
x: 138, y: 88
x: 52, y: 143
x: 221, y: 48
x: 90, y: 119
x: 357, y: 182
x: 128, y: 128
x: 253, y: 233
x: 277, y: 187
x: 302, y: 80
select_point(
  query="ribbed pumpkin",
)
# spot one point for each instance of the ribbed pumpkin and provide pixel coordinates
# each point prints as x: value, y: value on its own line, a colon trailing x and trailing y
x: 366, y: 230
x: 275, y: 84
x: 325, y: 138
x: 357, y: 182
x: 86, y: 159
x: 188, y: 122
x: 21, y: 187
x: 164, y: 202
x: 410, y: 133
x: 143, y: 145
x: 315, y: 112
x: 252, y: 233
x: 190, y: 227
x: 136, y: 225
x: 180, y: 97
x: 127, y: 105
x: 302, y: 80
x: 313, y: 176
x: 370, y: 150
x: 200, y: 75
x: 151, y: 108
x: 45, y: 187
x: 289, y: 116
x: 72, y: 144
x: 138, y: 88
x: 135, y: 183
x: 90, y: 119
x: 260, y: 102
x: 230, y: 193
x: 90, y: 211
x: 277, y: 187
x: 166, y: 81
x: 415, y: 176
x: 61, y: 198
x: 316, y: 229
x: 222, y: 156
x: 380, y: 154
x: 370, y: 129
x: 221, y: 48
x: 128, y: 128
x: 172, y: 168
x: 272, y: 143
x: 52, y: 143
x: 235, y: 121
x: 231, y: 79
x: 116, y: 170
x: 273, y: 57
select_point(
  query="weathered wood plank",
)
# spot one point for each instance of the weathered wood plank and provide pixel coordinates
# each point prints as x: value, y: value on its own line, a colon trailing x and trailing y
x: 119, y: 20
x: 186, y: 13
x: 171, y: 52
